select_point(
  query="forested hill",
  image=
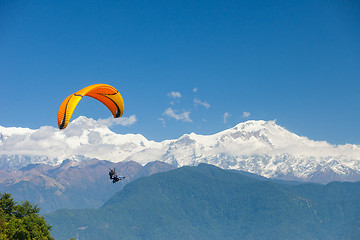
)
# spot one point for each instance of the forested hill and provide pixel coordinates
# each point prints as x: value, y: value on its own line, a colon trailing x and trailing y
x: 206, y: 202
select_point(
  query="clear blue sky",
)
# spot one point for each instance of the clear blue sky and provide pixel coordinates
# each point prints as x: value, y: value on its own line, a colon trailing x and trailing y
x: 294, y: 61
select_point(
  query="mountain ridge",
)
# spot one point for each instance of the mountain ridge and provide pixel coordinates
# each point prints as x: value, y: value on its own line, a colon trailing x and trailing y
x: 260, y: 147
x: 72, y: 184
x: 206, y: 202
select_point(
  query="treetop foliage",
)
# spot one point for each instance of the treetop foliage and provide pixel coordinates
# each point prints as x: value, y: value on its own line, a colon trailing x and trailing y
x: 21, y: 221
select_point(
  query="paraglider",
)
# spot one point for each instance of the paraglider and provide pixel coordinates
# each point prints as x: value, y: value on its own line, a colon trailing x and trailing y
x: 114, y: 176
x: 104, y: 93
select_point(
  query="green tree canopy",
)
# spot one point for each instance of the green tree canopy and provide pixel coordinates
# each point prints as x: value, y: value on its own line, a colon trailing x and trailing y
x: 21, y: 221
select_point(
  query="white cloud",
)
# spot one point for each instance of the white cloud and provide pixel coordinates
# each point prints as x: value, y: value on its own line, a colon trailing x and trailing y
x: 123, y: 121
x: 82, y: 137
x: 202, y: 103
x: 195, y: 90
x: 162, y: 121
x: 174, y: 94
x: 184, y: 116
x: 246, y: 114
x: 226, y: 116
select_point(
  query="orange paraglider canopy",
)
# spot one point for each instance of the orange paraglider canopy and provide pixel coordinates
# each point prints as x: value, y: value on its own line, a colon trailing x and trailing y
x: 106, y: 94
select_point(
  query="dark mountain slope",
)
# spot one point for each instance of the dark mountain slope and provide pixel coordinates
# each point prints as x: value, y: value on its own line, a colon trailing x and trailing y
x: 206, y: 202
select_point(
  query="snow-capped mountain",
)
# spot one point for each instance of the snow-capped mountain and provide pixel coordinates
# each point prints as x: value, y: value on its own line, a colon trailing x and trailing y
x: 260, y: 147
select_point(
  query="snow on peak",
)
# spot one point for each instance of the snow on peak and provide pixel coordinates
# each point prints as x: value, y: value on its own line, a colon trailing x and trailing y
x: 261, y: 147
x: 253, y: 125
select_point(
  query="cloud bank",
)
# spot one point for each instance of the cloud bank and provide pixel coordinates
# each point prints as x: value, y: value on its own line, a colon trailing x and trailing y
x: 79, y: 138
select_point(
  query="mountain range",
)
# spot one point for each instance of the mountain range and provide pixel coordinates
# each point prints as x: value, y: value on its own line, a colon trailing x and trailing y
x: 260, y: 147
x: 206, y: 202
x: 72, y: 184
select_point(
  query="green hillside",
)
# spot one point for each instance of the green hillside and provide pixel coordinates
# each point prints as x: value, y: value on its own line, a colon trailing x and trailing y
x: 206, y: 202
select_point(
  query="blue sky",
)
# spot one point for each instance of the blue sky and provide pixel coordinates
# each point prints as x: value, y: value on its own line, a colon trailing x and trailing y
x: 186, y: 66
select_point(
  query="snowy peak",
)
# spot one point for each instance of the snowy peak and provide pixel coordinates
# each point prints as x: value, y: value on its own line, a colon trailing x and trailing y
x: 260, y: 137
x: 254, y: 126
x: 260, y: 147
x: 267, y: 132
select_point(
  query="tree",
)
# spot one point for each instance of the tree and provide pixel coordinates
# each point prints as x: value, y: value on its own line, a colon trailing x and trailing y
x: 21, y: 221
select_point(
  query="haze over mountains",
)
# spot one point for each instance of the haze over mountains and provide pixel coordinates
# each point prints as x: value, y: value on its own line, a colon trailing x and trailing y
x: 72, y: 184
x: 260, y: 147
x: 206, y: 202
